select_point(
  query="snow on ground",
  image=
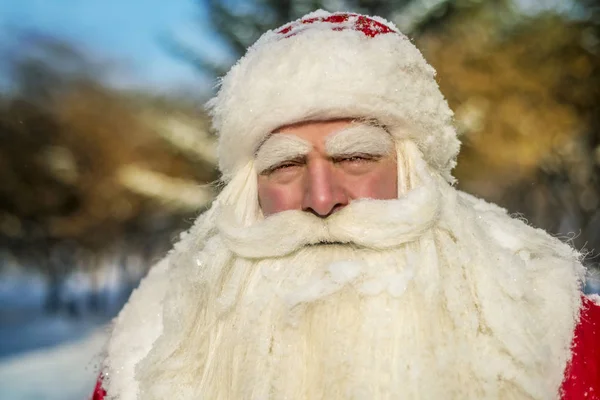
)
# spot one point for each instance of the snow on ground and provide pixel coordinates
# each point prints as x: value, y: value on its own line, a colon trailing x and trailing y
x: 26, y: 324
x: 54, y: 355
x: 63, y: 372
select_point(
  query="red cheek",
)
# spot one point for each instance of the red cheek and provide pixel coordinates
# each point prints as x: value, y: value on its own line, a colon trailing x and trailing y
x: 275, y: 198
x: 381, y: 184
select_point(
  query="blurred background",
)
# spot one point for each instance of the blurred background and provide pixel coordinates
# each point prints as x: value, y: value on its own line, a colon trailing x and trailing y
x: 106, y: 153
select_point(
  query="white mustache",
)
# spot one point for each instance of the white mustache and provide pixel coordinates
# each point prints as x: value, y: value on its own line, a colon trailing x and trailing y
x: 368, y: 223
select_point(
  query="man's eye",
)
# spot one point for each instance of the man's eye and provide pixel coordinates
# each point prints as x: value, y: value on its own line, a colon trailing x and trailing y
x: 355, y: 158
x: 285, y: 165
x: 281, y: 167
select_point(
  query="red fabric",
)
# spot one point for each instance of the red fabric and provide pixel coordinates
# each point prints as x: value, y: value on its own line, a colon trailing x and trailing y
x: 364, y: 24
x: 99, y: 393
x: 582, y: 377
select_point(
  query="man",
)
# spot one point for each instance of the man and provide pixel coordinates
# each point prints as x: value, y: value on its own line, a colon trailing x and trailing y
x: 339, y: 262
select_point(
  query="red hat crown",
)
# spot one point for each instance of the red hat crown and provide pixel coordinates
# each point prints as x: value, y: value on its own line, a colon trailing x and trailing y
x: 338, y: 22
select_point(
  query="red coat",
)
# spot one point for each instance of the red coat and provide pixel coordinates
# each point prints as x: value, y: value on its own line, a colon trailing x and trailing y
x: 582, y: 376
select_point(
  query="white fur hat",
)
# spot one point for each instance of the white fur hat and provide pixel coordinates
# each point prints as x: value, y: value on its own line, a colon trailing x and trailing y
x: 326, y: 66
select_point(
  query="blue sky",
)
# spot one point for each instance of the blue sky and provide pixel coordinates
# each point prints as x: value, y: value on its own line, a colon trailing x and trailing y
x: 123, y: 31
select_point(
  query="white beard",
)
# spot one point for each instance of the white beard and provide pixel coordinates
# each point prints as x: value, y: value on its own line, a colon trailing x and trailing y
x: 445, y: 297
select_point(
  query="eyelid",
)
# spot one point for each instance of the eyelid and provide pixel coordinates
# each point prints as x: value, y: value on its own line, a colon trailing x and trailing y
x: 367, y: 156
x: 296, y: 161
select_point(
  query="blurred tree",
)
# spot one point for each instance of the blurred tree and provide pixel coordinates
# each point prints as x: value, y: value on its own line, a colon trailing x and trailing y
x: 41, y: 66
x: 87, y: 169
x: 526, y: 90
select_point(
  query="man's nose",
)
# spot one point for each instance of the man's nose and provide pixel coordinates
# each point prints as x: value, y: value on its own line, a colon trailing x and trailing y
x: 323, y: 193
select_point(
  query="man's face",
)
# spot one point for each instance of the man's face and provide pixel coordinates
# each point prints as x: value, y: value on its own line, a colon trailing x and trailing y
x: 319, y: 167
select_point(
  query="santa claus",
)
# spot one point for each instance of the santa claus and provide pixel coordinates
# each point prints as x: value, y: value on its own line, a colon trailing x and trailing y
x: 339, y: 262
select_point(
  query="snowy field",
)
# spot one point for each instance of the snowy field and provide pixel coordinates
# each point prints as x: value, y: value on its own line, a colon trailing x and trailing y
x: 52, y: 356
x: 64, y: 372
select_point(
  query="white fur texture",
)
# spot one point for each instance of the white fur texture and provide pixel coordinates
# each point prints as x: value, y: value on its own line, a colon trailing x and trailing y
x: 320, y: 74
x: 464, y: 303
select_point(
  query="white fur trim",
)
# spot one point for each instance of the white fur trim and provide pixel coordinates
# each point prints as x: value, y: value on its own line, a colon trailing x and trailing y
x: 320, y: 74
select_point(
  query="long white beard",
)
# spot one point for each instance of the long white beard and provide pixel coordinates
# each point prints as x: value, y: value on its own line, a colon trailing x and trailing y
x: 452, y: 300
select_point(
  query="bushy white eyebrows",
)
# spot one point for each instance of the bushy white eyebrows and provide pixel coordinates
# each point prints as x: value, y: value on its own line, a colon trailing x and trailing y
x: 278, y: 148
x: 360, y: 138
